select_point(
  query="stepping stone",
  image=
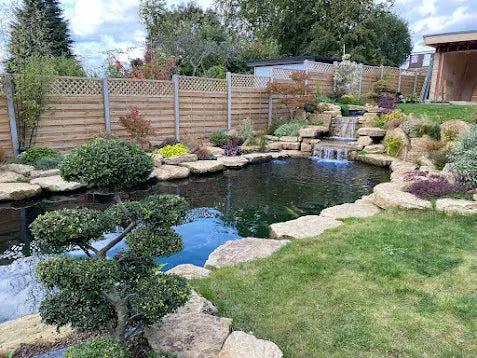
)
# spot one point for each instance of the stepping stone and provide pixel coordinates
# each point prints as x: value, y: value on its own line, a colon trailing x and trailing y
x: 189, y: 271
x: 303, y: 227
x: 9, y: 177
x: 18, y: 191
x: 203, y: 166
x: 243, y: 250
x: 56, y: 184
x: 373, y: 132
x: 180, y: 159
x: 215, y: 151
x: 242, y: 345
x: 170, y: 172
x: 457, y: 205
x: 257, y: 157
x: 233, y: 162
x: 348, y: 210
x: 389, y: 195
x: 379, y: 160
x: 44, y: 173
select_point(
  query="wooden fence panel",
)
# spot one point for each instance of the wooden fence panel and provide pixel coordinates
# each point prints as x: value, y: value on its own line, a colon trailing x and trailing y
x: 250, y: 103
x: 5, y: 135
x: 323, y: 80
x: 280, y: 111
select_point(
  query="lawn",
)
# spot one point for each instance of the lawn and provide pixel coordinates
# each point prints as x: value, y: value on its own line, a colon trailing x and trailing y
x: 396, y: 285
x: 441, y: 112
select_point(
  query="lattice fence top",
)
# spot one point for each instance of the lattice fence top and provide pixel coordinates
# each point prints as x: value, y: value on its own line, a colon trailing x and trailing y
x: 76, y: 86
x: 142, y: 88
x: 200, y: 84
x: 249, y: 81
x: 283, y: 73
x: 320, y: 67
x: 3, y: 91
x: 372, y: 70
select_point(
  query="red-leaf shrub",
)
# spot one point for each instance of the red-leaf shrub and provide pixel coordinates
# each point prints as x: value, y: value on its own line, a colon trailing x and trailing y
x: 151, y: 68
x: 138, y: 127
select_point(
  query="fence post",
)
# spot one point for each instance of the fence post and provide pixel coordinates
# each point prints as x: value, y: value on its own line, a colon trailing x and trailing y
x: 306, y: 73
x: 229, y: 101
x: 107, y: 117
x: 399, y: 81
x: 11, y: 114
x: 361, y: 70
x: 335, y: 66
x: 382, y: 71
x: 415, y: 82
x: 270, y: 101
x: 175, y: 79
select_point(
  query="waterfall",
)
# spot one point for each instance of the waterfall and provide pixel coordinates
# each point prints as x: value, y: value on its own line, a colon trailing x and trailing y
x: 345, y: 127
x: 331, y: 153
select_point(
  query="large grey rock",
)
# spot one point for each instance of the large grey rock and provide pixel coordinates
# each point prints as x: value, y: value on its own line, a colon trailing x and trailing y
x: 399, y: 164
x: 457, y: 205
x: 242, y: 345
x: 363, y: 141
x: 303, y: 227
x: 243, y: 250
x: 366, y: 200
x: 288, y: 139
x: 18, y: 191
x: 180, y: 159
x: 44, y: 173
x: 233, y: 162
x: 290, y: 145
x: 368, y: 119
x: 296, y: 153
x: 157, y: 159
x: 379, y: 160
x: 418, y: 148
x: 389, y: 195
x: 189, y: 271
x: 306, y: 147
x: 350, y: 210
x: 374, y: 149
x: 312, y: 131
x: 451, y: 130
x: 9, y: 177
x: 215, y: 151
x: 21, y: 169
x: 196, y: 305
x: 170, y: 172
x: 274, y: 146
x: 280, y: 155
x: 257, y: 157
x: 373, y: 132
x: 56, y: 184
x: 203, y: 166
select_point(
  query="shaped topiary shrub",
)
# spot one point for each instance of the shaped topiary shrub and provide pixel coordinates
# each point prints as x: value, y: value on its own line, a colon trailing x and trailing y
x: 98, y: 347
x: 463, y: 157
x: 121, y: 292
x: 32, y: 155
x: 174, y: 150
x: 219, y: 139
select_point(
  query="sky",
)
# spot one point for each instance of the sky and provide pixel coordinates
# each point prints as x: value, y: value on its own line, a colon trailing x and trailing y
x: 101, y: 25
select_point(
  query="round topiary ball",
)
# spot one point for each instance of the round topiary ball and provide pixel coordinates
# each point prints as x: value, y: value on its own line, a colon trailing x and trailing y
x: 109, y: 163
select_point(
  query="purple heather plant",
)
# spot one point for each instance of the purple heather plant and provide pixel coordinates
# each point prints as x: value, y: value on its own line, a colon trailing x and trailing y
x: 231, y: 149
x: 436, y: 186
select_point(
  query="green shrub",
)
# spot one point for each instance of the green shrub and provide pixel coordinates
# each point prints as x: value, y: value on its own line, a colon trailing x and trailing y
x: 439, y: 157
x: 290, y: 128
x: 463, y: 157
x: 259, y: 140
x: 32, y: 155
x: 246, y: 129
x: 97, y: 348
x: 344, y: 109
x: 412, y: 127
x: 435, y: 132
x: 48, y: 163
x: 318, y: 122
x: 173, y: 150
x: 110, y: 163
x: 275, y: 124
x: 219, y: 139
x: 392, y: 146
x: 350, y: 99
x: 382, y: 121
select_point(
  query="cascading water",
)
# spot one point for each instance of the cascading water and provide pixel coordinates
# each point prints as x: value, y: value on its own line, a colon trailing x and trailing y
x: 331, y: 153
x: 345, y: 127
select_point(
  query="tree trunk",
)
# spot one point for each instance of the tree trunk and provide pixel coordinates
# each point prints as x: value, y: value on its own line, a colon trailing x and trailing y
x: 118, y: 333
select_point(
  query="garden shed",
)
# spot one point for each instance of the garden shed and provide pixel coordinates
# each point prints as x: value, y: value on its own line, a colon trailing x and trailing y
x: 454, y: 75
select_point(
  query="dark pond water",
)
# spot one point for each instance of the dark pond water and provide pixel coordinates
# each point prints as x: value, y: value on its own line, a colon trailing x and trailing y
x: 226, y: 206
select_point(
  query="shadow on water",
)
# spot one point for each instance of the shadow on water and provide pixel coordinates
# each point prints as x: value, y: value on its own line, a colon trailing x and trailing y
x: 226, y: 206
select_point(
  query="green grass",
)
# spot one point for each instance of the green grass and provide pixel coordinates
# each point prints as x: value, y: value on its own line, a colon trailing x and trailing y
x: 401, y: 284
x: 441, y: 112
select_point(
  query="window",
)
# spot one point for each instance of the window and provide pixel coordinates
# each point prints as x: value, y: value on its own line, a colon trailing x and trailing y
x: 414, y: 58
x: 427, y: 60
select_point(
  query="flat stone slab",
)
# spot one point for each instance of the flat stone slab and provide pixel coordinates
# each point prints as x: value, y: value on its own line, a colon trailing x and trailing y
x: 215, y: 151
x: 363, y: 141
x: 242, y: 345
x: 18, y: 191
x: 233, y: 162
x: 303, y: 227
x: 180, y: 159
x: 203, y: 166
x: 243, y: 250
x: 312, y: 131
x: 290, y: 145
x: 257, y: 157
x: 457, y: 205
x: 9, y: 177
x: 349, y: 210
x: 56, y: 184
x: 296, y: 153
x: 389, y: 195
x: 379, y: 160
x: 280, y: 155
x: 288, y: 139
x: 189, y: 271
x: 44, y: 173
x: 157, y: 159
x: 22, y: 169
x: 372, y: 132
x: 170, y: 172
x: 374, y: 149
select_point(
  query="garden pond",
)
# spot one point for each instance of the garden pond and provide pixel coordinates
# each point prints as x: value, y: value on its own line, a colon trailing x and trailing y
x: 225, y: 206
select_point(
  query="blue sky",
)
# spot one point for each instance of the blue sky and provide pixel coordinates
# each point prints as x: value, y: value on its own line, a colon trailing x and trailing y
x: 101, y: 25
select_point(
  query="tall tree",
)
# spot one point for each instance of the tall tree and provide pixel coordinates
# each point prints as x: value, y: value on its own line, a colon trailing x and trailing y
x: 57, y: 31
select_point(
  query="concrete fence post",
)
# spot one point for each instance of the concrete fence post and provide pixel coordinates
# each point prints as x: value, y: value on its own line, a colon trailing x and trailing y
x: 270, y: 101
x: 175, y: 79
x: 107, y: 116
x: 306, y: 74
x: 399, y: 81
x: 361, y: 71
x: 229, y: 101
x: 415, y: 82
x: 382, y: 71
x: 11, y: 114
x: 335, y: 67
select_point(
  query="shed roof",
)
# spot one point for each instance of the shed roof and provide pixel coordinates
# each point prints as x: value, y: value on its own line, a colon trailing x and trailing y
x: 290, y: 60
x: 450, y: 38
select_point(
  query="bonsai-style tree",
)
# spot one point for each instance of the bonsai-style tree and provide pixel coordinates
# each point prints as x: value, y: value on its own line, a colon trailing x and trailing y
x: 295, y: 94
x: 123, y: 291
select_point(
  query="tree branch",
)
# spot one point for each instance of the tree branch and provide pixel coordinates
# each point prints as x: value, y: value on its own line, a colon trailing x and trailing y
x: 113, y: 243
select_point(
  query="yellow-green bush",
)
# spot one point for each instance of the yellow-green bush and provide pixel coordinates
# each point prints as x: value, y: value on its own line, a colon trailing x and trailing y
x: 173, y: 150
x: 382, y: 121
x: 392, y: 146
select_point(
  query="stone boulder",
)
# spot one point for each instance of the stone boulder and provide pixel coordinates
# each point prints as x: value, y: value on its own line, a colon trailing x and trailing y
x: 9, y: 177
x: 272, y: 138
x: 295, y: 153
x: 203, y: 166
x: 306, y: 147
x: 374, y: 149
x: 403, y: 138
x: 451, y: 130
x: 372, y: 132
x: 303, y: 227
x: 350, y: 210
x: 18, y: 191
x: 418, y: 148
x: 324, y: 117
x: 258, y: 157
x: 379, y: 160
x: 280, y: 155
x: 216, y: 152
x: 243, y: 250
x: 290, y: 145
x: 181, y: 159
x: 242, y: 345
x: 21, y: 169
x: 56, y: 184
x: 363, y: 141
x: 170, y: 172
x: 157, y: 159
x: 233, y: 162
x: 44, y: 173
x: 274, y: 146
x: 288, y: 139
x: 368, y: 119
x: 312, y: 131
x: 189, y: 271
x: 366, y: 200
x: 389, y: 195
x: 457, y: 205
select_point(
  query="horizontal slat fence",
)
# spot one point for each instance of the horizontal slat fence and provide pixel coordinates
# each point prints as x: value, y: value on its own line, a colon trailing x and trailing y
x: 78, y: 109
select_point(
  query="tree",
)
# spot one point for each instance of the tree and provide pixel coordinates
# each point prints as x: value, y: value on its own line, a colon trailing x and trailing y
x: 346, y: 76
x: 57, y: 35
x: 117, y: 292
